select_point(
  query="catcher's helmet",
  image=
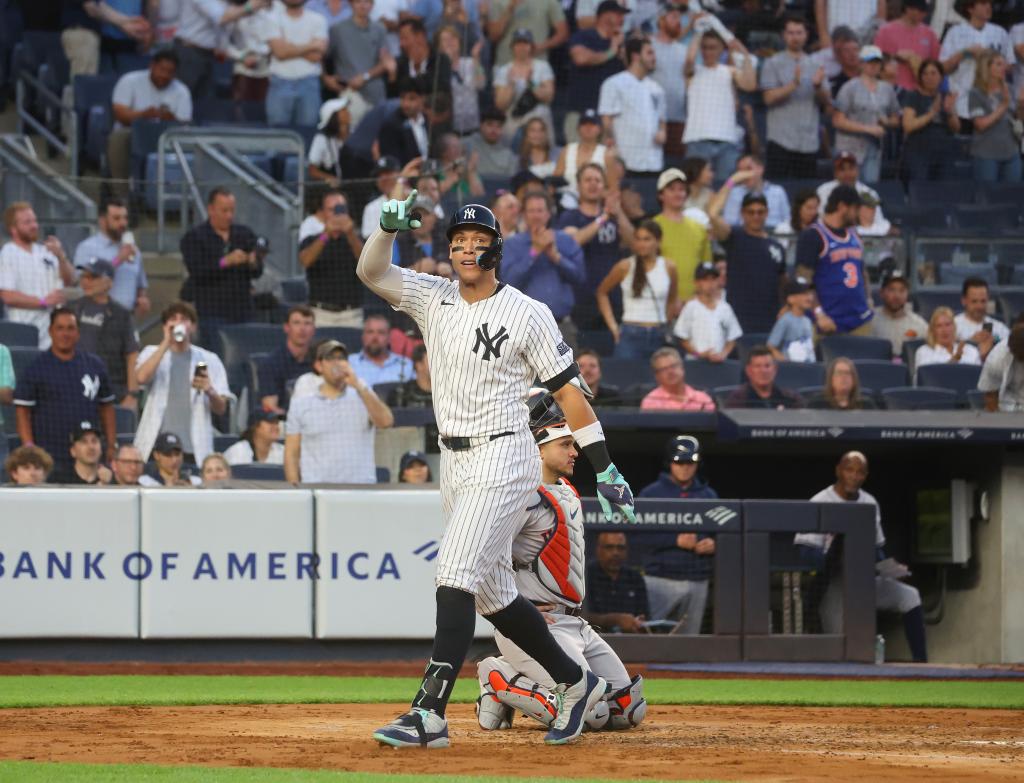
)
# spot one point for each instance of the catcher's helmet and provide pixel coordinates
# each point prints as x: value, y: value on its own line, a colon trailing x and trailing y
x: 479, y: 216
x: 683, y: 449
x: 547, y: 422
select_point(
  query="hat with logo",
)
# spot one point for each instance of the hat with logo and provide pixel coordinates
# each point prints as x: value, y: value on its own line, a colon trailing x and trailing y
x: 843, y: 157
x: 82, y: 429
x: 97, y: 267
x: 522, y: 35
x: 682, y: 449
x: 895, y: 276
x: 167, y: 443
x: 590, y: 115
x: 870, y: 53
x: 705, y: 269
x: 410, y: 458
x: 387, y: 163
x: 668, y: 176
x: 796, y: 285
x: 327, y: 347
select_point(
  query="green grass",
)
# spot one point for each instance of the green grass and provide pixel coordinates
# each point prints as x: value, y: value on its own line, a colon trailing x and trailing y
x: 35, y: 772
x: 54, y: 691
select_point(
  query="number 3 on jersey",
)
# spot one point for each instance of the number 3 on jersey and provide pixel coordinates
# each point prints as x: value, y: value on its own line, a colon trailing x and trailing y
x: 851, y: 276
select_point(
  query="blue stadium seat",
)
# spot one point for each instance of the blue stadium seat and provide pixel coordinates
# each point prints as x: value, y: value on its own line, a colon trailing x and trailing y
x: 747, y: 341
x: 925, y: 193
x: 258, y: 471
x: 125, y: 420
x: 10, y: 426
x: 22, y: 356
x: 253, y: 370
x: 383, y: 390
x: 295, y: 289
x: 634, y: 394
x: 721, y: 393
x: 891, y: 192
x: 705, y: 375
x: 23, y: 335
x: 222, y: 443
x: 290, y: 173
x: 1001, y: 192
x: 383, y: 475
x: 92, y: 96
x: 910, y: 350
x: 145, y: 139
x: 878, y: 374
x: 794, y: 375
x: 986, y: 218
x: 174, y: 181
x: 960, y: 378
x: 625, y: 372
x: 955, y: 274
x: 264, y: 161
x: 855, y: 347
x: 927, y: 299
x: 976, y: 399
x: 351, y: 336
x: 810, y: 391
x: 919, y: 398
x: 795, y: 186
x: 239, y: 342
x: 599, y: 340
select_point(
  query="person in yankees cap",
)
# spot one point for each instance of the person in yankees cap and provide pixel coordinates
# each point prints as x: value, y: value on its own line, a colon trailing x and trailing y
x: 487, y: 342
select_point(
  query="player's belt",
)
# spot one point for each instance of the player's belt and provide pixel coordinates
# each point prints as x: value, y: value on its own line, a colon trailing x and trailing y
x: 461, y: 444
x: 569, y: 611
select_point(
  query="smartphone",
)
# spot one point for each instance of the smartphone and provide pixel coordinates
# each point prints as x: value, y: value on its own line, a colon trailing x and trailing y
x: 340, y: 209
x: 201, y: 368
x: 987, y: 327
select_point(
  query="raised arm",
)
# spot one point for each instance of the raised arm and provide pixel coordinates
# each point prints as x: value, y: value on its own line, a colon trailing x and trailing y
x: 375, y: 268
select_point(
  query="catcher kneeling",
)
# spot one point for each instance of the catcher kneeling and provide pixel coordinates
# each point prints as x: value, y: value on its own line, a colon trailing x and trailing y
x: 548, y: 555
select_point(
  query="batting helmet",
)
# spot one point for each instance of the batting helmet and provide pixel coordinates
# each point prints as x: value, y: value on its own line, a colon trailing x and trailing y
x: 547, y: 422
x: 479, y: 216
x: 683, y: 449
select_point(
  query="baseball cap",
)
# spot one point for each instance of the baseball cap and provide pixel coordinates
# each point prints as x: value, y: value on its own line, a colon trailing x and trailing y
x: 611, y: 6
x: 330, y: 108
x: 668, y: 176
x: 522, y: 35
x: 387, y: 163
x: 683, y: 449
x: 82, y: 429
x: 842, y: 194
x: 895, y: 276
x: 869, y: 53
x: 97, y: 267
x: 796, y: 285
x: 753, y: 198
x: 261, y: 415
x: 166, y: 442
x: 920, y: 5
x: 705, y: 269
x: 590, y: 115
x: 327, y: 347
x: 524, y: 177
x: 869, y: 200
x: 843, y: 157
x: 410, y: 457
x: 493, y: 114
x: 671, y: 5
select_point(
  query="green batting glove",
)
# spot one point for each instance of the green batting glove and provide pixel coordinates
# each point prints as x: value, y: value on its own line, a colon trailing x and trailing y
x: 614, y: 494
x: 395, y: 214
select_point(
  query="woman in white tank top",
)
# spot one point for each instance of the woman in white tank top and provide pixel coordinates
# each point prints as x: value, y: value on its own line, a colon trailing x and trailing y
x: 587, y: 150
x: 648, y: 285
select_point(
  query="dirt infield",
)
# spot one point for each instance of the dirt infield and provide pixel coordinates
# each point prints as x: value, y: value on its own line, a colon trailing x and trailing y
x: 727, y: 743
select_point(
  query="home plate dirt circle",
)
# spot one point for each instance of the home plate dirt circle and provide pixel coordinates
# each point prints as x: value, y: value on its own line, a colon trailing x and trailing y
x: 676, y: 742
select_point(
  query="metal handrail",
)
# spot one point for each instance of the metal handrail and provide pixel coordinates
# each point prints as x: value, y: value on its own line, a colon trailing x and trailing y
x: 70, y: 148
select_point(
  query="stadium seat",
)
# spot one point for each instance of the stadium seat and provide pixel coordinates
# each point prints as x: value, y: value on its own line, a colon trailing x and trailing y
x: 634, y: 394
x: 351, y: 336
x: 891, y: 192
x: 383, y: 390
x: 252, y: 365
x: 1012, y: 303
x: 986, y: 218
x: 645, y: 186
x: 794, y: 375
x: 855, y: 347
x: 955, y: 274
x: 705, y: 375
x: 222, y: 443
x: 23, y: 335
x: 976, y: 399
x: 92, y: 105
x: 877, y: 374
x: 810, y: 391
x: 927, y: 299
x: 795, y: 186
x: 918, y: 398
x: 599, y: 340
x: 925, y: 193
x: 747, y: 341
x: 125, y: 420
x: 626, y: 372
x: 383, y: 475
x: 295, y: 289
x: 1001, y: 192
x: 258, y: 471
x: 721, y: 393
x: 240, y: 341
x: 21, y: 357
x: 174, y: 181
x: 10, y: 421
x: 960, y: 378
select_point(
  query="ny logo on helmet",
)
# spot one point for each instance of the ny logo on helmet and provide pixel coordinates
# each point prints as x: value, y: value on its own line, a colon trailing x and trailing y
x: 491, y: 345
x: 469, y: 213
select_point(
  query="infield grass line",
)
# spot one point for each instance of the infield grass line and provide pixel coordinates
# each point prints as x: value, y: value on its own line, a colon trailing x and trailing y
x: 45, y: 772
x: 169, y: 690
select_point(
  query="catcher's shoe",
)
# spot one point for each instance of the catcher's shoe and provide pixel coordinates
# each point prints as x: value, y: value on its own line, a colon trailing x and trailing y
x: 418, y: 728
x: 574, y: 704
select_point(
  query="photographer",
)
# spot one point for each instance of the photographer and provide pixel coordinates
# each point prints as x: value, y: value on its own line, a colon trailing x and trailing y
x: 187, y: 385
x: 329, y: 246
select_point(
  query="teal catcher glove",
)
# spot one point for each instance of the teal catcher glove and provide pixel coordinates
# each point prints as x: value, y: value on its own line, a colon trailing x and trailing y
x: 614, y: 494
x: 396, y: 215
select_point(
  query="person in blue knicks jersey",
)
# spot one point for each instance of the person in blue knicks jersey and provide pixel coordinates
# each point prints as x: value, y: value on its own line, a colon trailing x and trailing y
x: 834, y: 251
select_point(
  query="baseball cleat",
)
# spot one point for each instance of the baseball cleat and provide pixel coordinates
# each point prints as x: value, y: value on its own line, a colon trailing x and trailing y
x: 418, y: 728
x: 575, y: 703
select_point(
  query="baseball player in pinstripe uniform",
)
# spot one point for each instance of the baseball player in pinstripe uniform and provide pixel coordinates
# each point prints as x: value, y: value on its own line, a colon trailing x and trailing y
x: 549, y: 560
x: 487, y: 342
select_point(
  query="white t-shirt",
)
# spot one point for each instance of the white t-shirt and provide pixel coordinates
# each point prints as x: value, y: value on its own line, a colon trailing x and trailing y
x: 302, y: 29
x: 966, y: 328
x: 149, y: 481
x: 637, y: 107
x: 306, y: 385
x: 137, y: 91
x: 337, y: 439
x: 241, y: 453
x: 711, y: 105
x: 824, y: 540
x: 958, y: 38
x: 707, y: 329
x: 325, y: 152
x: 311, y: 226
x: 927, y: 354
x: 1003, y: 374
x: 36, y: 274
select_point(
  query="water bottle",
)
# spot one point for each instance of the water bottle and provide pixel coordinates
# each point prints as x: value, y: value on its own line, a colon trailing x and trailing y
x: 879, y: 650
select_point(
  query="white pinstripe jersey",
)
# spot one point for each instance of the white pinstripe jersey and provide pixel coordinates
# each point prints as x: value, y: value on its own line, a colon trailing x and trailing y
x: 483, y: 356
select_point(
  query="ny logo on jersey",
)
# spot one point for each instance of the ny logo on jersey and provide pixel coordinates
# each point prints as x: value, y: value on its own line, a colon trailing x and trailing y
x: 491, y: 345
x: 90, y: 386
x: 469, y: 213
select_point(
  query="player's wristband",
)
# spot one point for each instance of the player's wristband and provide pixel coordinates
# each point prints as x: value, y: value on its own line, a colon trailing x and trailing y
x: 591, y: 441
